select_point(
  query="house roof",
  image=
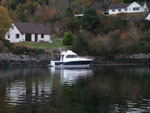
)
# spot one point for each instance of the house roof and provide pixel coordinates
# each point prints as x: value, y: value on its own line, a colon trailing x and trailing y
x: 117, y: 6
x: 142, y: 3
x: 31, y: 28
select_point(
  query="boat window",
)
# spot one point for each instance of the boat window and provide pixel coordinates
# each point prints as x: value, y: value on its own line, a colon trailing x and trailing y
x: 71, y: 56
x: 62, y: 58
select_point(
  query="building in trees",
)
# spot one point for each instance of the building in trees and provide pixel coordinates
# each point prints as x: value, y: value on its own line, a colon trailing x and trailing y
x: 133, y: 7
x: 147, y: 17
x: 20, y: 32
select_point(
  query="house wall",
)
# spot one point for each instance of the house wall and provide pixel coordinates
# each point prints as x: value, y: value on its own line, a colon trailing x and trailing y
x: 46, y: 38
x: 135, y: 5
x: 145, y: 7
x: 130, y: 9
x: 117, y: 11
x: 148, y: 17
x: 12, y: 33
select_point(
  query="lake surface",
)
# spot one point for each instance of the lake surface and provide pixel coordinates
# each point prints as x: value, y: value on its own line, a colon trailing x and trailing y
x: 102, y: 89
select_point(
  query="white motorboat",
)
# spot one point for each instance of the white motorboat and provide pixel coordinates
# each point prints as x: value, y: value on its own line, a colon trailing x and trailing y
x: 71, y: 59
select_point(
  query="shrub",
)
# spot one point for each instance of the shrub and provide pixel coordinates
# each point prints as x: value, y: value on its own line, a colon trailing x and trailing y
x: 146, y: 37
x: 144, y: 25
x: 120, y: 23
x: 18, y: 49
x: 68, y: 38
x: 6, y: 43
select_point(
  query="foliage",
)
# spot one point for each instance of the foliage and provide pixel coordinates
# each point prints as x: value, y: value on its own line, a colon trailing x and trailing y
x: 117, y: 1
x: 144, y: 25
x: 112, y: 23
x: 18, y: 49
x: 74, y: 25
x: 146, y: 37
x: 69, y: 12
x: 6, y: 43
x: 68, y: 38
x: 91, y: 20
x: 5, y: 22
x: 130, y: 1
x: 80, y: 44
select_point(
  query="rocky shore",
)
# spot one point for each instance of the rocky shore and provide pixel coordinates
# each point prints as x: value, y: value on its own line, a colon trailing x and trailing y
x: 11, y: 59
x: 140, y: 58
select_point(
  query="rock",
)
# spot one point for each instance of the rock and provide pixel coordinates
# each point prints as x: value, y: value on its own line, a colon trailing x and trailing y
x: 4, y: 49
x: 1, y: 45
x: 11, y: 59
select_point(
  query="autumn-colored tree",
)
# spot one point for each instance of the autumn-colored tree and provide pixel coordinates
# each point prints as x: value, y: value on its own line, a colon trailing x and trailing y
x: 47, y: 16
x: 91, y: 20
x: 5, y: 22
x: 117, y: 1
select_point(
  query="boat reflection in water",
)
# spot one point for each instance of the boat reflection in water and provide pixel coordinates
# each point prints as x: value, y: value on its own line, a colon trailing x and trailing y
x: 70, y: 75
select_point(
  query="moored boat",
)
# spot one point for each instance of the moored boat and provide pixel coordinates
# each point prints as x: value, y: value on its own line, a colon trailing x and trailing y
x: 71, y: 59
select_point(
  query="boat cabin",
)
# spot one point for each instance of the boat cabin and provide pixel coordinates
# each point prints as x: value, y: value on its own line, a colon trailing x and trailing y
x: 68, y: 56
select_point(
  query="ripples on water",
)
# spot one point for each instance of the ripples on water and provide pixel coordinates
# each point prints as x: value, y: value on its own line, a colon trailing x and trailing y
x: 102, y: 89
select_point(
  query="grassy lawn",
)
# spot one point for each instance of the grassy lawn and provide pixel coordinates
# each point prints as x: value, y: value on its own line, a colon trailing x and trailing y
x: 57, y: 43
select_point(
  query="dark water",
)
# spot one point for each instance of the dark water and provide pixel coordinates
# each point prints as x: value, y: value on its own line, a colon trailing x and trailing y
x: 102, y: 89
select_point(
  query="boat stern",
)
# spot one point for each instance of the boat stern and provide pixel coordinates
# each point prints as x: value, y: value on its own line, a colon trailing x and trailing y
x: 52, y: 63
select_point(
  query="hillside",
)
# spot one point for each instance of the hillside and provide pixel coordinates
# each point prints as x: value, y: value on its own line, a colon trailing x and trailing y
x: 94, y: 33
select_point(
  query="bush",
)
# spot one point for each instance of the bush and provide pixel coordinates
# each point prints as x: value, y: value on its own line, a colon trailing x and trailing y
x: 6, y: 43
x: 144, y: 25
x: 17, y: 49
x: 146, y: 37
x: 68, y: 38
x: 120, y: 23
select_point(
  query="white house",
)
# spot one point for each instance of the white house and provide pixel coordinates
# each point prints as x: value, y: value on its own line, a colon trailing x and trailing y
x: 148, y: 17
x: 78, y: 15
x: 20, y: 32
x: 133, y: 7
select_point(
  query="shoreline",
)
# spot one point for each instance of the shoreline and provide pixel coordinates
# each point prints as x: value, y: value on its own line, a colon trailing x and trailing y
x: 9, y: 59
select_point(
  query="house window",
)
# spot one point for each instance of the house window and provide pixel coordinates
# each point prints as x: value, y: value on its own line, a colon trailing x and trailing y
x: 125, y: 9
x: 71, y: 56
x: 8, y: 36
x: 113, y: 10
x: 42, y: 35
x: 136, y: 8
x: 119, y: 9
x: 17, y: 35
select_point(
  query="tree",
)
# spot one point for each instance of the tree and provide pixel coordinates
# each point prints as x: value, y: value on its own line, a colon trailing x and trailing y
x: 68, y: 38
x: 5, y: 22
x: 91, y: 20
x: 80, y: 44
x: 117, y: 1
x: 130, y: 1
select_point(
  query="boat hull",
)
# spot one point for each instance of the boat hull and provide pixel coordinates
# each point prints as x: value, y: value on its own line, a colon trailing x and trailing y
x: 71, y: 63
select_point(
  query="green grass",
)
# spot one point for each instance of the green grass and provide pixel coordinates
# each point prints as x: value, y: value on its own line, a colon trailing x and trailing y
x: 57, y: 43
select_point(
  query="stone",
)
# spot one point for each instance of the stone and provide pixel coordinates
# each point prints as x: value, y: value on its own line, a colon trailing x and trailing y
x: 4, y: 49
x: 1, y: 45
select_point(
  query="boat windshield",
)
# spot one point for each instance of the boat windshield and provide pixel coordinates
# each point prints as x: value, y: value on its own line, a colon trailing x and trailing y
x: 71, y: 56
x: 62, y: 58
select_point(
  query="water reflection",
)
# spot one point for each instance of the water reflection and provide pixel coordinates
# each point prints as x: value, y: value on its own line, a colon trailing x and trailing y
x: 69, y: 75
x: 102, y: 89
